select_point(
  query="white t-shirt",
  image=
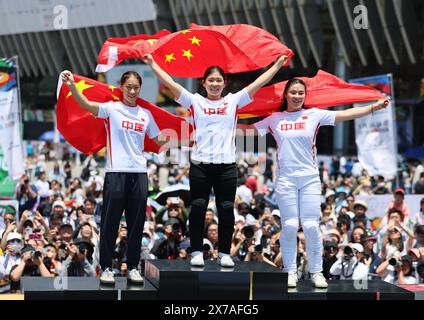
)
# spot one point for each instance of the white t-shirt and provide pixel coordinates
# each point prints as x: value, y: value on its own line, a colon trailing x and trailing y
x: 126, y: 128
x: 215, y: 122
x: 295, y: 134
x: 43, y: 188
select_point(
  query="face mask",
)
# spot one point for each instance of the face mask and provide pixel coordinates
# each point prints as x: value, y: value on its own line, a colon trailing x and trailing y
x: 145, y: 242
x: 16, y: 247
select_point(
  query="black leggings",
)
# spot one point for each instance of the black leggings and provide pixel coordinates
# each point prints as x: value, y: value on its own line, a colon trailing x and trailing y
x: 123, y: 191
x: 223, y: 179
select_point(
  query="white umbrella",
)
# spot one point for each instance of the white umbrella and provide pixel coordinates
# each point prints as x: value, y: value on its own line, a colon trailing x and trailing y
x: 176, y: 190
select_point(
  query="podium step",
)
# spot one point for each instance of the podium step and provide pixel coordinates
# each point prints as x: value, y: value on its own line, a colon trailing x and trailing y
x: 177, y: 279
x: 84, y: 288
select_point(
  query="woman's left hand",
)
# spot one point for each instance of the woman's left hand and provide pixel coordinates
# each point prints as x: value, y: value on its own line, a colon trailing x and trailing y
x: 381, y: 104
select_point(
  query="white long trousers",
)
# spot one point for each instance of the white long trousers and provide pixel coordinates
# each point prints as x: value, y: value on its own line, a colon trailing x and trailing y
x: 300, y: 198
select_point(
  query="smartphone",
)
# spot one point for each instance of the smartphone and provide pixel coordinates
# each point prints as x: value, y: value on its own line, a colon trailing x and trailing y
x: 35, y: 236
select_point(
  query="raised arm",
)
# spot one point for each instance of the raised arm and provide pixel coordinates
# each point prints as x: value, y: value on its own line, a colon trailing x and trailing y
x: 265, y: 77
x: 91, y: 106
x: 164, y: 78
x: 354, y: 113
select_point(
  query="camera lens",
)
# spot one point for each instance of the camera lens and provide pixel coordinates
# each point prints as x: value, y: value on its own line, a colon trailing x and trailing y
x: 248, y: 232
x: 348, y: 251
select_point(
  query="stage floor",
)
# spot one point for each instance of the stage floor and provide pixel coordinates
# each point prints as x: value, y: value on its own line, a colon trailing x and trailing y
x: 177, y: 280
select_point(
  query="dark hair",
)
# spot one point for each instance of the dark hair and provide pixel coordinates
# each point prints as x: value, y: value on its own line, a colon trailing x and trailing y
x: 395, y: 210
x: 130, y: 74
x: 419, y: 229
x: 353, y: 230
x: 213, y: 69
x: 344, y: 218
x: 286, y: 89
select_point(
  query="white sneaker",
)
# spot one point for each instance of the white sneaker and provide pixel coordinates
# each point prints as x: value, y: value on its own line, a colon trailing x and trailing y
x: 107, y: 277
x: 319, y: 280
x: 292, y: 280
x: 197, y: 260
x: 226, y: 261
x: 135, y: 276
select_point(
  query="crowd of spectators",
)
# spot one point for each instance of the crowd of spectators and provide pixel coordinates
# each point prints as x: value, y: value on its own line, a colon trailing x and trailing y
x: 55, y: 231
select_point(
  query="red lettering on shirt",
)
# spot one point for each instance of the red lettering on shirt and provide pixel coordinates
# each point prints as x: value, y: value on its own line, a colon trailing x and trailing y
x: 217, y: 111
x: 136, y: 126
x: 291, y: 126
x: 299, y: 126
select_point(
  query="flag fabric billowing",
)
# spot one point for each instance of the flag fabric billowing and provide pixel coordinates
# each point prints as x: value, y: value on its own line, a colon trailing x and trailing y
x: 116, y: 50
x: 322, y: 91
x: 87, y: 133
x: 188, y: 53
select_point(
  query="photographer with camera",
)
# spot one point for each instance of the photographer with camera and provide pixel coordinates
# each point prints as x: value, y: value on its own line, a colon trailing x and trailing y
x: 10, y: 226
x: 12, y: 254
x: 350, y: 263
x: 168, y: 246
x: 31, y: 265
x: 174, y: 209
x: 51, y: 260
x: 331, y: 248
x: 397, y: 270
x: 26, y: 194
x: 78, y: 264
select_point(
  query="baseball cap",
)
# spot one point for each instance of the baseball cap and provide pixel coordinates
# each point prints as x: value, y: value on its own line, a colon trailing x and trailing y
x: 357, y: 246
x: 14, y: 236
x: 27, y: 248
x: 59, y: 203
x: 400, y: 190
x: 360, y: 203
x: 329, y: 193
x: 276, y: 212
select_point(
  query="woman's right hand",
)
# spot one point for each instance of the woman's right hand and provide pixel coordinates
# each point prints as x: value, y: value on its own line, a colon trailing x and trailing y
x: 67, y: 77
x: 148, y: 59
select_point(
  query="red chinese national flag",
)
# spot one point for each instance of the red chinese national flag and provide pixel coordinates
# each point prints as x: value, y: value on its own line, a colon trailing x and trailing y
x: 323, y: 90
x: 87, y: 133
x: 188, y: 53
x: 116, y: 50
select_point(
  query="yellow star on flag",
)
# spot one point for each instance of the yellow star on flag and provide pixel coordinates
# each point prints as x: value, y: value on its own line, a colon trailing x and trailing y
x: 185, y: 31
x: 112, y: 87
x: 81, y: 86
x: 115, y: 97
x: 187, y: 54
x: 169, y: 57
x: 194, y: 40
x: 152, y: 41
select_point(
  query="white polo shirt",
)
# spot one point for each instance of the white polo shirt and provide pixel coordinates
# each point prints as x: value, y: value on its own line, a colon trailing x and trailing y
x: 126, y: 128
x: 215, y: 122
x: 295, y: 134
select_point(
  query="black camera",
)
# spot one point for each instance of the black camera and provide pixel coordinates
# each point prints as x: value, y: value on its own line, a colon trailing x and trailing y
x: 348, y: 252
x: 248, y: 232
x: 395, y: 262
x: 37, y: 255
x: 63, y: 246
x: 206, y: 247
x: 258, y: 248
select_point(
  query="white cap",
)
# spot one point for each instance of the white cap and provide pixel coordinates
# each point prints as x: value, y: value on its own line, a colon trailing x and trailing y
x: 14, y: 236
x: 358, y: 247
x: 276, y: 212
x: 59, y: 203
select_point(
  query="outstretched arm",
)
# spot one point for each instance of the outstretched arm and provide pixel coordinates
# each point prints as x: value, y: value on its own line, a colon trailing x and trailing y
x: 164, y: 78
x: 91, y: 106
x: 355, y: 113
x: 244, y: 127
x: 265, y: 77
